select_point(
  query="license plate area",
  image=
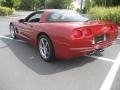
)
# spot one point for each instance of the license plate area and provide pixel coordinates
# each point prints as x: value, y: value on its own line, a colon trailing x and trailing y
x: 98, y: 39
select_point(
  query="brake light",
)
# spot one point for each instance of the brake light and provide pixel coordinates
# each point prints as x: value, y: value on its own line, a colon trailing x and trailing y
x: 110, y: 28
x: 87, y: 32
x: 114, y: 28
x: 76, y: 34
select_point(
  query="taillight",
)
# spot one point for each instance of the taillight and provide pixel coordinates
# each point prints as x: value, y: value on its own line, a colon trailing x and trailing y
x: 76, y: 34
x: 114, y: 28
x: 108, y: 28
x: 87, y: 32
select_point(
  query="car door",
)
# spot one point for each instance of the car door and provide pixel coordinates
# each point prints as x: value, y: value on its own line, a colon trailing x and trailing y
x: 29, y: 26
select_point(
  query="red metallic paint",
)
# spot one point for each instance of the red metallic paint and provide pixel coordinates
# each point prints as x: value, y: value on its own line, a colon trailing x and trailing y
x: 60, y: 33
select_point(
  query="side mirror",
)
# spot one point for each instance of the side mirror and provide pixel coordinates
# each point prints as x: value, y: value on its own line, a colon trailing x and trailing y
x: 21, y: 20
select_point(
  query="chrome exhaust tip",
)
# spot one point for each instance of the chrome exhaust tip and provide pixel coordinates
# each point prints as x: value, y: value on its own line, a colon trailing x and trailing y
x: 91, y: 53
x: 100, y: 50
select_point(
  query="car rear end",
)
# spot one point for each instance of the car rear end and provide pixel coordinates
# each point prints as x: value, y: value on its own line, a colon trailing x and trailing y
x: 91, y: 38
x: 77, y: 35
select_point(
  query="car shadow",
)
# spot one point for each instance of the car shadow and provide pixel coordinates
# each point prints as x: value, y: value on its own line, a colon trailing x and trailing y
x: 30, y: 57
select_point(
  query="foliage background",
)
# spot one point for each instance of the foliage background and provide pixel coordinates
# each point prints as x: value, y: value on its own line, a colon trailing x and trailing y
x: 4, y: 11
x: 103, y: 13
x: 37, y: 4
x: 11, y: 3
x: 58, y: 4
x: 103, y: 10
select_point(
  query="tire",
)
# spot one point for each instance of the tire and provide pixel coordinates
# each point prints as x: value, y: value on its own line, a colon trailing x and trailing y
x: 12, y: 31
x: 46, y: 49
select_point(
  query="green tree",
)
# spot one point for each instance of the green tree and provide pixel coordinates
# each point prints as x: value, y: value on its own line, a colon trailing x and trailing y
x: 25, y: 5
x: 11, y: 3
x: 58, y: 4
x: 88, y: 5
x: 31, y: 4
x: 106, y: 3
x: 0, y: 2
x: 37, y: 4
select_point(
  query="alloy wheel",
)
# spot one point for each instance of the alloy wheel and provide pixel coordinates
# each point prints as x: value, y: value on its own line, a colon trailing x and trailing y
x: 12, y: 31
x: 44, y: 48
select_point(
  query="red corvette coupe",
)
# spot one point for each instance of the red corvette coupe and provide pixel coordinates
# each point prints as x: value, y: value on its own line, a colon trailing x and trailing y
x: 63, y: 34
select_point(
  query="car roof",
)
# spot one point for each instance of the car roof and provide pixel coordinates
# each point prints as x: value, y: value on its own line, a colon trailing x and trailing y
x: 52, y: 10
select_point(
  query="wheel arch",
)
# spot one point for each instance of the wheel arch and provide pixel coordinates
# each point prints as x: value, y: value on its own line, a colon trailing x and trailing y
x: 43, y: 33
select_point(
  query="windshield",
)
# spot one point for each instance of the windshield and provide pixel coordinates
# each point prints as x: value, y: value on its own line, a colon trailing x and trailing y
x: 66, y: 16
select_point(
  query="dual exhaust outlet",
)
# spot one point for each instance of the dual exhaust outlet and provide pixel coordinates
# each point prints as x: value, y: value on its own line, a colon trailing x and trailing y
x: 98, y: 51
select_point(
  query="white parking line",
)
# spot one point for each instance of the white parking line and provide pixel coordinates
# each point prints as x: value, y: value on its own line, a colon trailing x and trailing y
x: 118, y: 38
x: 5, y: 37
x: 107, y: 84
x: 102, y: 58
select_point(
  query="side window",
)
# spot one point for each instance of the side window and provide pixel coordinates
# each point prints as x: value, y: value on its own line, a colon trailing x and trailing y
x: 54, y: 17
x: 35, y: 17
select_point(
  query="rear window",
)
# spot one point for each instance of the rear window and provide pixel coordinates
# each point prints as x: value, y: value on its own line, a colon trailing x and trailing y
x: 66, y: 16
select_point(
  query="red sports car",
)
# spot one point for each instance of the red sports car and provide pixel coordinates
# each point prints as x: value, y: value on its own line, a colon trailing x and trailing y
x: 63, y: 34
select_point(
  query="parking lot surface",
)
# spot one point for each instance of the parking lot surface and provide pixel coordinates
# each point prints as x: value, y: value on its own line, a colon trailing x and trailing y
x: 21, y: 67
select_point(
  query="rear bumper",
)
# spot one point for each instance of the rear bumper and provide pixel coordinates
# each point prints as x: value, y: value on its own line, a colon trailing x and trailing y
x: 81, y: 47
x: 84, y: 45
x: 76, y: 52
x: 94, y: 47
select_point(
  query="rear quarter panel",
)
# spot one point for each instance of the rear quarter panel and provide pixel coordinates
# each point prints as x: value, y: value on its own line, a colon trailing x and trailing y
x: 59, y: 34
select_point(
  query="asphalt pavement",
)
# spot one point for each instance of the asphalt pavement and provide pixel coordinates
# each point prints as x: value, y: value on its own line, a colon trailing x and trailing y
x: 21, y: 67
